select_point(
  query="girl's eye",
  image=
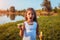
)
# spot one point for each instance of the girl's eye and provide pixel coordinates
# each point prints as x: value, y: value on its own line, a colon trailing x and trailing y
x: 29, y: 14
x: 32, y: 13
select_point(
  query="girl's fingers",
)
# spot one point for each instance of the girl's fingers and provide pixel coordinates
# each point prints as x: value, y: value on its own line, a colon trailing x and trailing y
x: 20, y: 25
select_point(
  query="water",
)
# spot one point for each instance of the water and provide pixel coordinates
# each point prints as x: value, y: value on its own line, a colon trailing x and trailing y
x: 11, y: 18
x: 4, y: 19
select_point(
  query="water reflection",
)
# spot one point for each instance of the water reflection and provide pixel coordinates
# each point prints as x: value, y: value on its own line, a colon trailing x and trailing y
x: 10, y: 18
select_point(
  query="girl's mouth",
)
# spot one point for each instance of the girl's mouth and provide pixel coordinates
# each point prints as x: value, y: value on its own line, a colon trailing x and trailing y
x: 30, y: 17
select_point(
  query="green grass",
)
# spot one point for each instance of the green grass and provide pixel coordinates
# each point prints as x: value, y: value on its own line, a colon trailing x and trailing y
x: 49, y: 25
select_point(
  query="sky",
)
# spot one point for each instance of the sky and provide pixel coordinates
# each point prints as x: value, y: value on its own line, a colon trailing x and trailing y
x: 24, y: 4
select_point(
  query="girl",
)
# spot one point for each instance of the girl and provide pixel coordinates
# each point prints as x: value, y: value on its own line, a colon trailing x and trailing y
x: 29, y: 30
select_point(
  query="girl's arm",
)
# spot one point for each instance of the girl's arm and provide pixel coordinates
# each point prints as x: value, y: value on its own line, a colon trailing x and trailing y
x: 22, y: 30
x: 39, y: 34
x: 37, y: 31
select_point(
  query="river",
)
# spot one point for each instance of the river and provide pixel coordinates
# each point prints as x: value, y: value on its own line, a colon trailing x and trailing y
x: 5, y: 19
x: 11, y: 18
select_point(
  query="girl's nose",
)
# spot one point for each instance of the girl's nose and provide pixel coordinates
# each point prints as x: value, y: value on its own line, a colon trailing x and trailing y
x: 30, y: 15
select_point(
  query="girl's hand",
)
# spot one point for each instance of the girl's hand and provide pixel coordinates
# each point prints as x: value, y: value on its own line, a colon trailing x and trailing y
x: 20, y: 25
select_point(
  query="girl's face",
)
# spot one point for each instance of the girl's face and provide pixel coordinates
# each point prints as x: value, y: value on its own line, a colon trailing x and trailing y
x: 30, y: 15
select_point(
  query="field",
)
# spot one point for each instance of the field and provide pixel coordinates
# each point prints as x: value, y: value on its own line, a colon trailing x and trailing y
x: 49, y: 25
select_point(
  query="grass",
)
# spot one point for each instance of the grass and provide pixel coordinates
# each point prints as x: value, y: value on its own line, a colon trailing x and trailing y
x: 49, y: 25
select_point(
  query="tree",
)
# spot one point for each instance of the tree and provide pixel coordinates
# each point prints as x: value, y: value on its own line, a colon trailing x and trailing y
x: 47, y: 5
x: 12, y: 16
x: 12, y: 9
x: 55, y: 9
x: 59, y: 5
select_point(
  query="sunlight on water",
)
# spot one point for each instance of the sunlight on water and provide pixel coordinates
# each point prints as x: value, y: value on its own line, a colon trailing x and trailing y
x: 5, y: 19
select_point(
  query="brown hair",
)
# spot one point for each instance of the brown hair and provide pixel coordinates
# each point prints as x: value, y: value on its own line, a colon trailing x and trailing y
x: 34, y: 19
x: 31, y: 9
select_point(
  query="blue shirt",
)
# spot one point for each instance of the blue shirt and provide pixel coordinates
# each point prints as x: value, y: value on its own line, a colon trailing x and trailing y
x: 30, y: 31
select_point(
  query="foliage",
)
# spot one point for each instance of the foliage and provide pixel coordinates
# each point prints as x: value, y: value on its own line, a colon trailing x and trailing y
x: 47, y: 5
x: 12, y: 9
x: 49, y: 25
x: 55, y: 9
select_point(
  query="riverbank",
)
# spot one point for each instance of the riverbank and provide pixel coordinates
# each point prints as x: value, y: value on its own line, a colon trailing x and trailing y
x: 49, y: 25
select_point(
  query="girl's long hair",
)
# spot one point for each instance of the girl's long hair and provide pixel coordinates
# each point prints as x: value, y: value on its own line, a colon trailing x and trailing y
x: 31, y: 9
x: 34, y: 19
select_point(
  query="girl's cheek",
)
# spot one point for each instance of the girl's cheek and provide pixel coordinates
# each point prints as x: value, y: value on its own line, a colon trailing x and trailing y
x: 27, y: 16
x: 33, y: 16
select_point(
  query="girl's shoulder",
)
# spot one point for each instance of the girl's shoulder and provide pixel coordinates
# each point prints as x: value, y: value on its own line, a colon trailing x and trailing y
x: 25, y: 22
x: 35, y: 22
